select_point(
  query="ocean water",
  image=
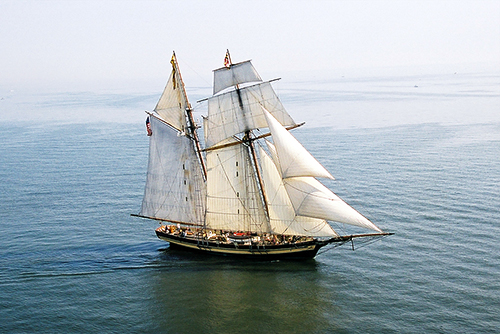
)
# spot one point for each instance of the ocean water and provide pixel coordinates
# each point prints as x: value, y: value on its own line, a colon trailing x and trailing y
x: 73, y: 260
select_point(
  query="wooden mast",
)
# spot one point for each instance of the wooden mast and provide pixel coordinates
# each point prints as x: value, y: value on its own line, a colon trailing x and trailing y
x: 191, y: 123
x: 248, y: 139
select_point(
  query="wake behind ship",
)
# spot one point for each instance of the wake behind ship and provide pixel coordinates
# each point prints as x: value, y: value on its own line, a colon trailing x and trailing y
x: 253, y: 190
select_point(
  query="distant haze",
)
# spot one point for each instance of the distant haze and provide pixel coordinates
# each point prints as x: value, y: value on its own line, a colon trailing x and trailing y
x: 103, y: 45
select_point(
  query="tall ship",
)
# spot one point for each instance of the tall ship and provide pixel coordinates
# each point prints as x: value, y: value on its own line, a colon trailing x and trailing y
x: 249, y: 188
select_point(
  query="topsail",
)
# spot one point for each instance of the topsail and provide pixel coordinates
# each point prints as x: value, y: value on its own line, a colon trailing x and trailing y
x: 235, y: 75
x: 173, y: 101
x: 240, y: 110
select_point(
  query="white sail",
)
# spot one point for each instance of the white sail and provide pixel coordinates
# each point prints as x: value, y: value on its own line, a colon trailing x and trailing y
x: 173, y: 103
x: 241, y: 110
x: 274, y: 154
x: 294, y: 159
x: 312, y: 199
x: 174, y: 185
x: 283, y: 219
x: 233, y: 198
x: 234, y: 75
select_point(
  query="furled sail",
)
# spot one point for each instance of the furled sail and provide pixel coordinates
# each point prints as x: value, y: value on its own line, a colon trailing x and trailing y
x: 294, y: 159
x: 173, y: 103
x: 234, y: 75
x: 240, y: 110
x: 283, y: 219
x: 233, y: 198
x: 174, y: 185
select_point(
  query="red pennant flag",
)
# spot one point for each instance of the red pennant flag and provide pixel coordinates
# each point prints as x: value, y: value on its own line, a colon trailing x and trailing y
x: 227, y: 60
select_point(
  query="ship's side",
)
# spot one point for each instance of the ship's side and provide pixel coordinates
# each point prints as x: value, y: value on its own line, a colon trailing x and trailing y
x: 251, y: 250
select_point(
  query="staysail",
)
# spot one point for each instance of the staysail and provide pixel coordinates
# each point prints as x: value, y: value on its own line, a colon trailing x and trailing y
x: 283, y: 218
x: 294, y: 159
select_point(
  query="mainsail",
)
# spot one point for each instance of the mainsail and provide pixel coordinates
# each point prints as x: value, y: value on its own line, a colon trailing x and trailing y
x: 233, y: 199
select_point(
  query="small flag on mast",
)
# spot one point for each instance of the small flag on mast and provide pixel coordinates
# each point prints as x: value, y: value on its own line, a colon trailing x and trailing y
x: 227, y: 60
x: 148, y: 127
x: 172, y: 61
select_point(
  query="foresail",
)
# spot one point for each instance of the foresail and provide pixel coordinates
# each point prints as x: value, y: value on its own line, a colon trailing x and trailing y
x: 283, y: 219
x: 240, y: 110
x: 174, y: 185
x: 294, y: 159
x: 235, y: 74
x: 172, y: 102
x: 233, y: 198
x: 312, y: 199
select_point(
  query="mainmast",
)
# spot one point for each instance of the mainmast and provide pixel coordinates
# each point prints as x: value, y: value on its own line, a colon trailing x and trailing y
x: 253, y: 155
x: 189, y: 113
x: 249, y: 141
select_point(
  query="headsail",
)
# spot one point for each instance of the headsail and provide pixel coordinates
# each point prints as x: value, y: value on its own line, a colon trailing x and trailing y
x: 307, y: 195
x: 312, y: 199
x: 294, y: 159
x: 283, y: 218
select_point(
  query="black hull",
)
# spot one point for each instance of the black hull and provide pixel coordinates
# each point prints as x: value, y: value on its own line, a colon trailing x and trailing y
x: 294, y: 251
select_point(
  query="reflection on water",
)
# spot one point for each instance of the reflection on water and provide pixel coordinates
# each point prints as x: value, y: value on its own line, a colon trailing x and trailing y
x: 222, y: 295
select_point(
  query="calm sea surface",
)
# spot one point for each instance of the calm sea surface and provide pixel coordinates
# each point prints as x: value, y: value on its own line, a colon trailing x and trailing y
x: 72, y: 260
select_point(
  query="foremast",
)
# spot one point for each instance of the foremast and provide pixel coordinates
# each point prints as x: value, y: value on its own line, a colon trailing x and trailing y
x: 191, y: 125
x: 175, y: 188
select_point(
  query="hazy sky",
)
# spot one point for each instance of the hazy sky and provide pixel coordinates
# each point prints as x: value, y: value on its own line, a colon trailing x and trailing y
x: 87, y: 44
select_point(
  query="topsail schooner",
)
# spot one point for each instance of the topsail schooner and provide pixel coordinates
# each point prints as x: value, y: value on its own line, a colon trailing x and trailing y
x: 241, y: 194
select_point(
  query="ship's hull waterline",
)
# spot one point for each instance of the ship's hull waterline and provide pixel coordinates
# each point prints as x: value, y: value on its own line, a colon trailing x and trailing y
x: 293, y: 251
